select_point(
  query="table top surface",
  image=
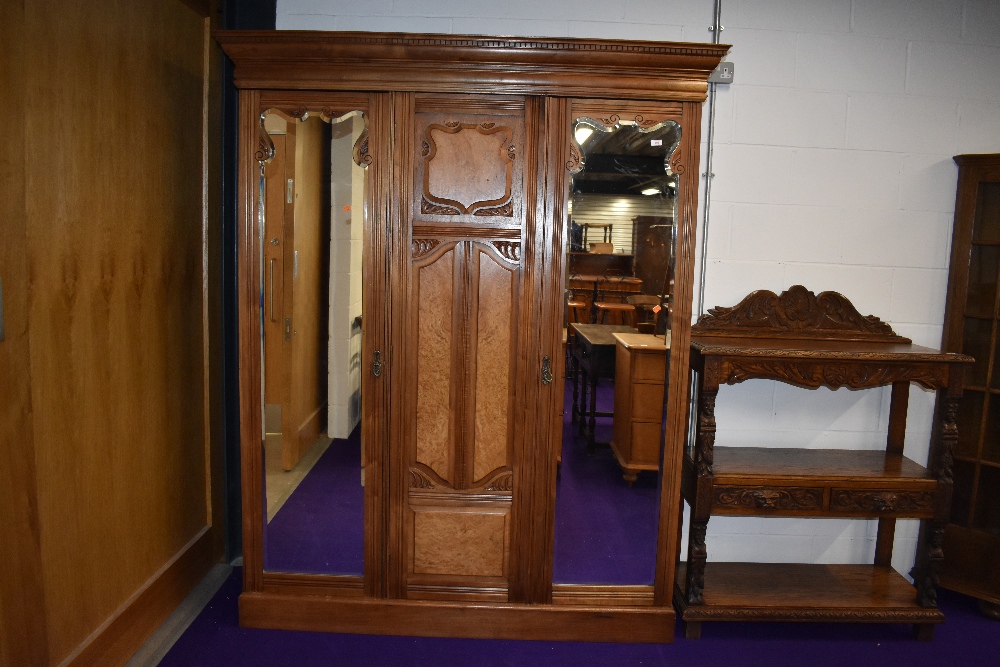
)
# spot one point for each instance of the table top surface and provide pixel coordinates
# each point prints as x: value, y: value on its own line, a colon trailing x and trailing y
x: 789, y: 348
x: 641, y: 341
x: 600, y: 334
x: 593, y: 277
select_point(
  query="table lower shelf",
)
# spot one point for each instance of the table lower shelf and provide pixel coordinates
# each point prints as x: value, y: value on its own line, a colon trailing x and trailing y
x: 803, y: 592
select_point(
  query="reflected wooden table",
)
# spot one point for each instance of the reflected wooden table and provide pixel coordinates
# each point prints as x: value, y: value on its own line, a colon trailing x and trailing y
x: 593, y: 357
x: 640, y: 375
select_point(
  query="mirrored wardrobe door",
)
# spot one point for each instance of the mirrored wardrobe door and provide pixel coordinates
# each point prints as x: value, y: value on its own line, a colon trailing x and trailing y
x: 312, y: 207
x: 620, y: 231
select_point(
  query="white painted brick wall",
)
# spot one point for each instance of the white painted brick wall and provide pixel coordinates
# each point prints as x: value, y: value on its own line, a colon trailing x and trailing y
x: 833, y: 169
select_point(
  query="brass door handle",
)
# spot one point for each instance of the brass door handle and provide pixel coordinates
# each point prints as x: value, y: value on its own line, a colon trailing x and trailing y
x: 547, y: 376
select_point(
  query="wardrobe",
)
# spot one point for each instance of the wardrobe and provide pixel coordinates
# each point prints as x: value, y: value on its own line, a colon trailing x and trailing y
x: 460, y: 159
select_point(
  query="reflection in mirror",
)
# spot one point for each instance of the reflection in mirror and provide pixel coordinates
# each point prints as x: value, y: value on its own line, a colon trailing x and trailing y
x: 312, y: 221
x: 619, y: 281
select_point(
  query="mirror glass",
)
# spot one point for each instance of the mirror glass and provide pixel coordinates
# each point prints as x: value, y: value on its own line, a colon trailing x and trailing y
x: 312, y: 219
x: 621, y: 236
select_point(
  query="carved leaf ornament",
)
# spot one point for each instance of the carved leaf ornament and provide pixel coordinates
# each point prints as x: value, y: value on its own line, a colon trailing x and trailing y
x: 795, y: 313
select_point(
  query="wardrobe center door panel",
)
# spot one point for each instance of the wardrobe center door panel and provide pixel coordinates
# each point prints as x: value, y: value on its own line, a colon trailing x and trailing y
x: 466, y: 220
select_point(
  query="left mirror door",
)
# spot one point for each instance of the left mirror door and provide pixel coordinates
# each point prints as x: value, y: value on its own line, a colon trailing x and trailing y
x: 311, y: 223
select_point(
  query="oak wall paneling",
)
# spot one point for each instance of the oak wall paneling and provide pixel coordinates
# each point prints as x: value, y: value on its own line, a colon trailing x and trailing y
x: 463, y: 301
x: 22, y: 592
x: 105, y: 287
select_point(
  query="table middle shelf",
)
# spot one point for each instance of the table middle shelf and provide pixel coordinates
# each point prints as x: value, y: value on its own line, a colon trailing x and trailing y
x: 762, y: 481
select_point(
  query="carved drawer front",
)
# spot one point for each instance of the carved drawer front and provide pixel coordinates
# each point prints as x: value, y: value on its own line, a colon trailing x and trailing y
x: 882, y: 502
x: 764, y: 499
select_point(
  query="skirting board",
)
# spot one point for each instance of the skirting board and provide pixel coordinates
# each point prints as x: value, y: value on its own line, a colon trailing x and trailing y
x: 444, y: 619
x: 128, y: 628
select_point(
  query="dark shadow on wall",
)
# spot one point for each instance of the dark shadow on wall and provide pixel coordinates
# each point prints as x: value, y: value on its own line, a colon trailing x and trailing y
x: 236, y: 15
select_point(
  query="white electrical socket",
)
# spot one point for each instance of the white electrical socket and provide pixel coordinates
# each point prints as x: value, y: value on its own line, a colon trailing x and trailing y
x: 722, y: 74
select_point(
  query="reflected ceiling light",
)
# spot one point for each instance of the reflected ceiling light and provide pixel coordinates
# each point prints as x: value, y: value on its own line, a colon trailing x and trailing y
x: 651, y: 191
x: 582, y: 134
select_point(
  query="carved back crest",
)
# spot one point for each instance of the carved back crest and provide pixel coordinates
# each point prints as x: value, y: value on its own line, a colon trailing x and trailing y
x: 796, y: 313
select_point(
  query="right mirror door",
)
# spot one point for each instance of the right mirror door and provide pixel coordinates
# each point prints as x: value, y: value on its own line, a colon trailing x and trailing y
x: 621, y: 231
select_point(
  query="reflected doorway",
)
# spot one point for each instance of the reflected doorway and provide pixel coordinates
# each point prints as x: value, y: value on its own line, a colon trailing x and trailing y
x: 312, y: 193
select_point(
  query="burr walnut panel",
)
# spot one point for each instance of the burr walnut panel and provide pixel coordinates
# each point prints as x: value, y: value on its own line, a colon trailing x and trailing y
x: 496, y: 294
x: 460, y: 542
x: 435, y: 282
x: 466, y: 296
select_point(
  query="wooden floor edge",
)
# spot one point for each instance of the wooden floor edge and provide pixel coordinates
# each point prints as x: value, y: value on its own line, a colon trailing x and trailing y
x: 648, y: 625
x: 128, y: 628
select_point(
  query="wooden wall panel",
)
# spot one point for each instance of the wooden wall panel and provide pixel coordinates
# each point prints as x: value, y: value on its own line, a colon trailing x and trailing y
x: 22, y: 599
x: 112, y: 218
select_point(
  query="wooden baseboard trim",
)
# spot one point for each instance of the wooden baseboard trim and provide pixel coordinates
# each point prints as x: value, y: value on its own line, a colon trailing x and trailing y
x: 448, y: 619
x: 119, y: 637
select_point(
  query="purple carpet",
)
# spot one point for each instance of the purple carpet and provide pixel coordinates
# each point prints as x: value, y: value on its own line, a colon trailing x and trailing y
x: 320, y: 528
x: 605, y: 530
x: 605, y: 533
x: 966, y: 638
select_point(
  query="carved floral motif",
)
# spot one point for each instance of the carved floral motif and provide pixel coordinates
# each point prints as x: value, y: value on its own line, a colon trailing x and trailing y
x: 704, y: 451
x: 509, y: 250
x: 814, y: 374
x: 575, y: 163
x: 502, y: 482
x: 769, y: 498
x: 421, y: 247
x: 697, y: 556
x: 795, y: 312
x: 420, y: 480
x: 882, y: 501
x: 431, y: 208
x: 265, y: 150
x: 362, y: 157
x: 506, y: 210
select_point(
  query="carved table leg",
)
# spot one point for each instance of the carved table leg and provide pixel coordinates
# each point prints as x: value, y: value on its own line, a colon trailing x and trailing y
x: 929, y: 553
x: 582, y: 412
x: 697, y: 557
x: 692, y: 630
x: 929, y: 558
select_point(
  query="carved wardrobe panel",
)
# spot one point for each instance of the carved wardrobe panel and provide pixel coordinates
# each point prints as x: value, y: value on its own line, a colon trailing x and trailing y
x: 466, y: 218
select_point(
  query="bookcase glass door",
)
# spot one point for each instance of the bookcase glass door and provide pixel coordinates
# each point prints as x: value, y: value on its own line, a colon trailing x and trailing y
x: 972, y: 540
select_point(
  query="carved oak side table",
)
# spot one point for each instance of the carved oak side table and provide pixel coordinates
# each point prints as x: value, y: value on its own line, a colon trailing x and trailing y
x: 811, y: 342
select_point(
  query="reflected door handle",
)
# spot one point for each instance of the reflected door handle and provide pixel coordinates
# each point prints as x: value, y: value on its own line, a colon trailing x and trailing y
x: 270, y: 291
x: 546, y: 371
x: 377, y: 364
